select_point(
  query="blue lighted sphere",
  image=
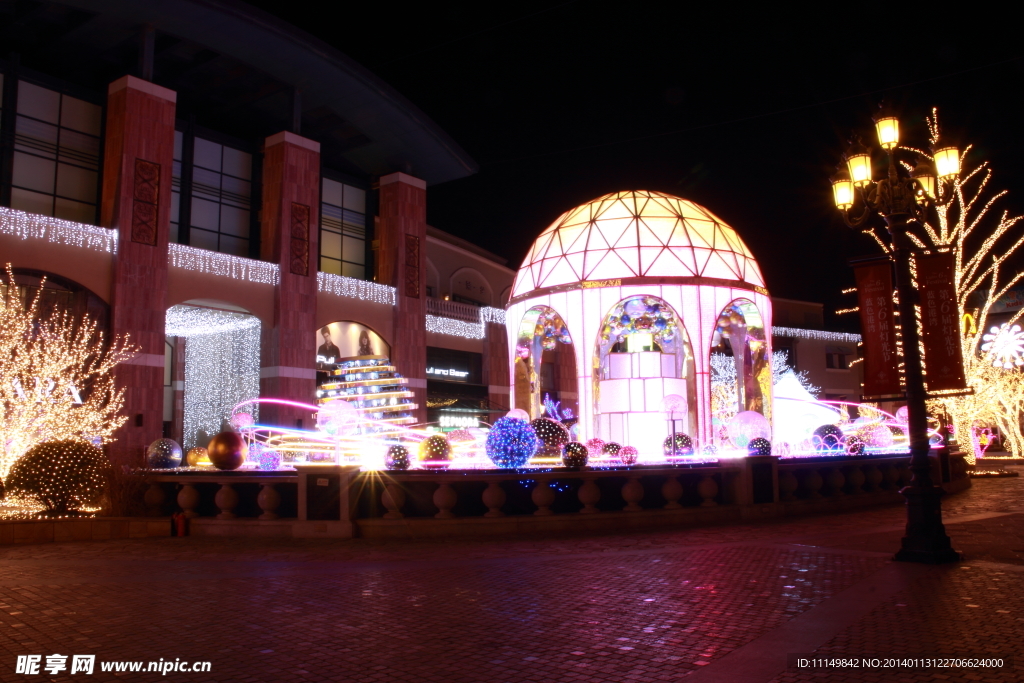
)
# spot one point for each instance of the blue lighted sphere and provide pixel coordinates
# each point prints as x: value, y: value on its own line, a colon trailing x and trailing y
x: 827, y: 437
x: 935, y: 439
x: 270, y: 460
x: 397, y: 457
x: 759, y: 446
x: 575, y: 454
x: 684, y: 445
x: 511, y: 443
x: 163, y: 454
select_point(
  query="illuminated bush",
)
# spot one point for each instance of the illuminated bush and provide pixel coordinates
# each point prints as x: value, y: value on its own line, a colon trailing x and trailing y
x: 62, y: 476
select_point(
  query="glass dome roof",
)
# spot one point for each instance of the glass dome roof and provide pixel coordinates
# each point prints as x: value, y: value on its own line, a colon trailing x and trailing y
x: 636, y: 234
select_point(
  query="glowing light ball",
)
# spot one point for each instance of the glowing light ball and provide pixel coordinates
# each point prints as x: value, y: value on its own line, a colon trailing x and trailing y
x: 628, y: 455
x: 460, y: 436
x: 575, y: 454
x: 197, y: 457
x: 269, y: 461
x: 552, y: 435
x: 337, y: 417
x: 435, y: 451
x: 611, y: 449
x: 397, y: 457
x: 163, y: 454
x: 511, y: 443
x: 827, y: 437
x: 595, y: 446
x: 227, y: 450
x: 935, y: 439
x: 903, y: 415
x: 897, y: 433
x: 747, y: 426
x: 759, y: 446
x: 854, y: 445
x: 683, y: 445
x: 878, y: 436
x: 518, y: 414
x: 241, y: 421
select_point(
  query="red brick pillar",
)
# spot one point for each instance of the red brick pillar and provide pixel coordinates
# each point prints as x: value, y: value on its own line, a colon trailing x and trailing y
x: 403, y: 242
x: 136, y: 200
x: 495, y: 363
x: 289, y: 237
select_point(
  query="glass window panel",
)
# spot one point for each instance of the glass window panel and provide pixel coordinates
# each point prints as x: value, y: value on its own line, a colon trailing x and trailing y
x: 331, y: 192
x: 330, y: 218
x: 70, y: 210
x: 37, y: 102
x: 234, y: 221
x: 76, y: 183
x: 173, y: 232
x: 32, y: 202
x: 79, y: 148
x: 352, y: 270
x: 179, y: 141
x: 207, y: 154
x: 355, y: 199
x: 80, y: 115
x: 36, y: 137
x: 206, y: 184
x: 329, y: 265
x: 34, y: 173
x: 234, y: 245
x: 203, y: 239
x: 205, y: 214
x: 237, y: 163
x: 175, y: 207
x: 235, y: 191
x: 355, y: 250
x: 330, y: 244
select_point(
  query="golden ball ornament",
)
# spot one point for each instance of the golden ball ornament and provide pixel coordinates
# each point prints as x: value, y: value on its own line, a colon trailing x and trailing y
x: 435, y: 451
x: 198, y: 457
x: 227, y: 450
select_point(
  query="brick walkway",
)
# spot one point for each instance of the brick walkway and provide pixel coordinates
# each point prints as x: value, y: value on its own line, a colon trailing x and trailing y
x: 723, y: 604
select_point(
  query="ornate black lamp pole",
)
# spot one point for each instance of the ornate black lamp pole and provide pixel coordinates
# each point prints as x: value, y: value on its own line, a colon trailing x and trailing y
x: 902, y: 199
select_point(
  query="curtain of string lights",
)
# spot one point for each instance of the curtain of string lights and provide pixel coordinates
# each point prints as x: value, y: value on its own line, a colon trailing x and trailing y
x: 222, y: 366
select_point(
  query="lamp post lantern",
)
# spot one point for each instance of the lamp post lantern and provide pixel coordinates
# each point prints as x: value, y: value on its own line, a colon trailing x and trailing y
x: 902, y: 199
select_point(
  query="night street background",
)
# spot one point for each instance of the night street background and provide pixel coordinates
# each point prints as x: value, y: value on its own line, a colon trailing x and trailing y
x: 744, y: 109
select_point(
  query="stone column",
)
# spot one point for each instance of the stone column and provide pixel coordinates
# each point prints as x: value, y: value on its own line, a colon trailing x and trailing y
x: 136, y: 201
x: 495, y: 367
x: 402, y: 243
x: 289, y: 232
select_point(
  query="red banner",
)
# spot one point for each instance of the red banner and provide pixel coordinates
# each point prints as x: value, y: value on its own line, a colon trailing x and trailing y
x: 940, y: 322
x: 878, y: 327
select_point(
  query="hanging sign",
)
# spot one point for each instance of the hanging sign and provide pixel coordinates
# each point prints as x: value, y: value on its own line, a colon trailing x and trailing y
x: 878, y: 324
x: 940, y: 322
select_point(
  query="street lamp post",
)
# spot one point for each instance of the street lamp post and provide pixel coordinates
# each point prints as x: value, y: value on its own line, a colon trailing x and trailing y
x: 902, y: 199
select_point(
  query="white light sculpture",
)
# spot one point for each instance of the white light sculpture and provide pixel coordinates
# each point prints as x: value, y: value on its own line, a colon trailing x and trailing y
x: 1006, y: 344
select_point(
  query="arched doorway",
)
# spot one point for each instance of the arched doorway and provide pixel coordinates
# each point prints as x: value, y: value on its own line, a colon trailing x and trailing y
x: 740, y: 365
x: 642, y: 355
x: 545, y: 365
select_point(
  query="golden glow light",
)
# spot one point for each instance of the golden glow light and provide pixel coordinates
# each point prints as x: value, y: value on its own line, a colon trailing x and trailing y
x: 39, y: 359
x: 842, y: 190
x: 947, y: 162
x: 888, y: 128
x: 859, y: 162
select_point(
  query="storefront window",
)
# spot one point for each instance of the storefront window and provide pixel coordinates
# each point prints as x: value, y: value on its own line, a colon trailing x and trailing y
x: 342, y: 229
x: 220, y: 216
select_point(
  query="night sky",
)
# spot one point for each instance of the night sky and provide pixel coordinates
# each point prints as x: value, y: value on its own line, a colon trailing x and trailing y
x: 745, y: 111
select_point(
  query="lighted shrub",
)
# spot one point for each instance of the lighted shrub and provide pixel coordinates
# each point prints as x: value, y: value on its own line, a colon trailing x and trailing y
x: 63, y: 476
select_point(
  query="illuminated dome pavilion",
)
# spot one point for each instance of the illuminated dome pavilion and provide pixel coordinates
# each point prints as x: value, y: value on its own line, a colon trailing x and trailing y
x: 623, y: 301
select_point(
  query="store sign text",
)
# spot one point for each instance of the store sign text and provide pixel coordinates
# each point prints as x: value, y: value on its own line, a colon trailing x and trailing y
x: 43, y: 389
x: 447, y: 372
x: 458, y: 421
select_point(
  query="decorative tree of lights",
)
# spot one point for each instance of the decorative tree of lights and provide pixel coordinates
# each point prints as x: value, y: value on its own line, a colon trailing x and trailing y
x: 982, y: 242
x: 63, y: 476
x: 56, y: 377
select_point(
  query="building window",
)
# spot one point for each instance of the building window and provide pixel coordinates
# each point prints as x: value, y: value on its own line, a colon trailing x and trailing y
x: 837, y: 357
x: 220, y: 215
x: 179, y: 142
x: 342, y: 229
x: 56, y: 160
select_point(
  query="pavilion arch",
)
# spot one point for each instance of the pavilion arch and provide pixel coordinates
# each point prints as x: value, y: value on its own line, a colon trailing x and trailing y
x: 471, y: 284
x: 740, y: 364
x: 544, y: 363
x: 642, y: 354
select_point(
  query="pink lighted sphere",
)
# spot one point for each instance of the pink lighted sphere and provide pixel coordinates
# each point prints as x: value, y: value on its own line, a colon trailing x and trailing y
x: 242, y: 421
x: 903, y: 415
x: 518, y: 414
x: 628, y: 455
x: 747, y: 426
x: 595, y: 446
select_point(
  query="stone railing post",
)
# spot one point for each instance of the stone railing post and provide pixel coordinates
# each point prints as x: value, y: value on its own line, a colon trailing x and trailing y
x: 227, y: 500
x: 268, y: 500
x: 445, y: 499
x: 188, y: 499
x: 494, y: 497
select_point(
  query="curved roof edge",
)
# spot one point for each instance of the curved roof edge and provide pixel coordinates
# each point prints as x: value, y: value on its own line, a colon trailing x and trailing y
x: 401, y: 134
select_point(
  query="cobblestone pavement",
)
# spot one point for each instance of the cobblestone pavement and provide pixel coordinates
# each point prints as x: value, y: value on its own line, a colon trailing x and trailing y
x: 723, y: 603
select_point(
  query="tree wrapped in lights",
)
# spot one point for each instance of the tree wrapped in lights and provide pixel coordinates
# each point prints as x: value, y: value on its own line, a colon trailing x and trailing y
x: 56, y: 377
x: 63, y: 476
x: 982, y: 238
